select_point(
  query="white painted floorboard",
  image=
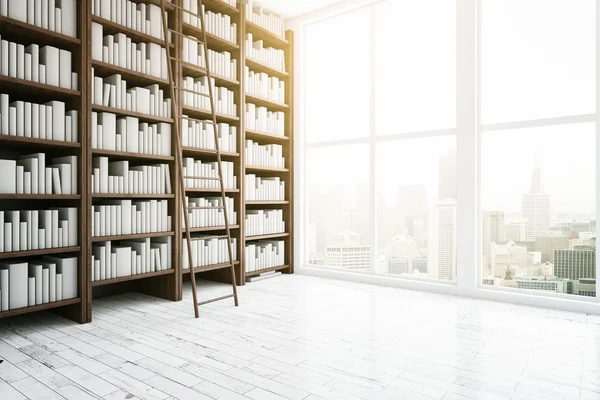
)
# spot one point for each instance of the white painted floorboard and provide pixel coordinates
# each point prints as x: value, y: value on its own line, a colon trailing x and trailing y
x: 303, y: 338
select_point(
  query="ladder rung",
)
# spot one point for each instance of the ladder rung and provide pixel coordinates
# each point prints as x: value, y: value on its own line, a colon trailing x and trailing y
x: 206, y: 208
x: 216, y: 299
x: 186, y: 35
x: 212, y: 178
x: 191, y: 91
x: 195, y: 119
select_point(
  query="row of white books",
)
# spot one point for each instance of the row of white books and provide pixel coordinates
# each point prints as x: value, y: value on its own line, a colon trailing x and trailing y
x: 197, y: 96
x: 198, y: 169
x: 144, y: 18
x: 264, y: 254
x: 221, y: 63
x: 22, y: 284
x: 112, y: 92
x: 40, y: 121
x: 264, y: 188
x: 131, y: 135
x: 24, y: 230
x: 271, y: 22
x: 264, y: 222
x: 216, y: 23
x: 208, y: 250
x: 269, y: 56
x: 260, y: 119
x: 262, y: 85
x: 48, y: 65
x: 31, y: 175
x: 59, y: 16
x: 124, y: 217
x: 201, y: 135
x: 122, y: 51
x: 119, y: 178
x: 267, y: 155
x: 208, y: 211
x: 132, y: 257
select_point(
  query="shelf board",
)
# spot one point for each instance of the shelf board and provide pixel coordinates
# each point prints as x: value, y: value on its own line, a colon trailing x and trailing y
x: 26, y: 33
x: 131, y: 196
x: 266, y: 169
x: 110, y: 27
x: 266, y: 203
x: 211, y: 228
x: 29, y: 253
x: 128, y: 155
x: 6, y: 140
x: 200, y: 190
x: 205, y: 114
x: 269, y: 38
x: 124, y: 113
x: 132, y: 77
x: 189, y: 69
x: 133, y: 277
x: 198, y: 152
x: 250, y: 134
x: 263, y: 271
x: 35, y: 90
x: 257, y: 66
x: 40, y: 307
x: 130, y: 237
x: 213, y: 42
x: 212, y: 267
x: 273, y: 236
x: 261, y: 101
x: 168, y: 5
x: 219, y: 6
x: 40, y: 196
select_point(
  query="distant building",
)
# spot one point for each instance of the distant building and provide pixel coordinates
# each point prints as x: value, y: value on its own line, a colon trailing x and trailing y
x: 506, y: 256
x: 493, y: 229
x: 442, y: 235
x: 547, y: 244
x: 575, y: 264
x: 516, y: 230
x: 583, y: 287
x: 549, y: 284
x: 420, y: 264
x: 348, y: 250
x: 536, y: 206
x: 447, y: 175
x: 399, y: 265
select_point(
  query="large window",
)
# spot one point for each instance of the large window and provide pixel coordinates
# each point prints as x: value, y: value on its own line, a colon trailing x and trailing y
x: 538, y: 153
x: 455, y: 142
x: 380, y: 140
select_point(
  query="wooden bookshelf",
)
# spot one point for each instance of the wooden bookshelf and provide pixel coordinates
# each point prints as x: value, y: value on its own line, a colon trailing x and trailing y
x: 168, y: 283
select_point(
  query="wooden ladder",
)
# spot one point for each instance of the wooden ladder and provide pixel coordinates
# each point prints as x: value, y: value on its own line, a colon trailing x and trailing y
x: 176, y: 92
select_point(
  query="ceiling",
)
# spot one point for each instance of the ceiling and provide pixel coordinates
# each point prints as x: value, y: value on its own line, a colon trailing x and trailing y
x: 294, y: 8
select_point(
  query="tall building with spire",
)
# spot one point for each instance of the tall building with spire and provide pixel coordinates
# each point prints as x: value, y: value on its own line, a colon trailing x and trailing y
x: 442, y: 247
x: 535, y: 205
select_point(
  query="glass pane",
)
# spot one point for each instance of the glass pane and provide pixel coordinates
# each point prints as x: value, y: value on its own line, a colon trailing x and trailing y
x: 416, y: 206
x: 337, y: 68
x: 538, y: 193
x: 337, y: 180
x: 538, y: 59
x: 415, y: 66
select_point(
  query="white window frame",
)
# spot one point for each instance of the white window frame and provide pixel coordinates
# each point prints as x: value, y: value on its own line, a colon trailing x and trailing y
x: 468, y: 130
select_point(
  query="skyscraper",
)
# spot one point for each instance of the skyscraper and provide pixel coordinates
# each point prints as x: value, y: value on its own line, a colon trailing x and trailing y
x: 442, y: 234
x: 493, y: 229
x: 536, y: 206
x: 348, y: 250
x: 575, y: 264
x: 447, y: 175
x: 516, y: 229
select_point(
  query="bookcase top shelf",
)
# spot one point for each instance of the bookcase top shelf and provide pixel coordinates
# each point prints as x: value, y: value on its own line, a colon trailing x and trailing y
x: 131, y: 196
x: 39, y: 307
x: 123, y: 155
x: 196, y: 152
x: 40, y: 92
x: 189, y: 69
x: 258, y: 67
x: 42, y: 252
x: 270, y: 39
x: 207, y: 268
x: 125, y: 113
x: 261, y: 101
x: 26, y: 33
x: 210, y: 229
x: 133, y: 277
x: 263, y: 237
x: 262, y: 271
x: 130, y: 237
x: 132, y: 77
x: 214, y: 42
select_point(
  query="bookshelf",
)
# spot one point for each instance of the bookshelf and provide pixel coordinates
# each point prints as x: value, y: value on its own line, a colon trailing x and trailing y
x: 92, y: 136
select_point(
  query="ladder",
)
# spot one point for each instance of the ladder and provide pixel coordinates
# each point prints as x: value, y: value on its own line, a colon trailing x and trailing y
x: 176, y: 91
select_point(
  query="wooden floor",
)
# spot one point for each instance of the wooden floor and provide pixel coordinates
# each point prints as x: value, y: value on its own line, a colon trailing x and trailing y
x: 298, y: 337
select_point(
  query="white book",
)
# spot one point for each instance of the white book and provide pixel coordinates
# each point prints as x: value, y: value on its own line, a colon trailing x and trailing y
x: 28, y: 120
x: 37, y: 13
x: 48, y: 180
x: 69, y: 182
x: 4, y: 52
x: 74, y: 125
x: 17, y: 10
x: 8, y: 171
x: 49, y: 57
x: 58, y: 20
x: 1, y: 231
x: 18, y: 284
x: 52, y: 281
x: 97, y: 39
x: 35, y: 271
x: 4, y: 114
x: 12, y: 59
x: 65, y: 69
x: 8, y: 242
x: 4, y: 288
x: 51, y: 14
x: 31, y: 291
x: 56, y: 184
x: 68, y: 10
x: 45, y: 285
x: 66, y: 266
x: 59, y: 286
x: 20, y: 61
x: 35, y: 245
